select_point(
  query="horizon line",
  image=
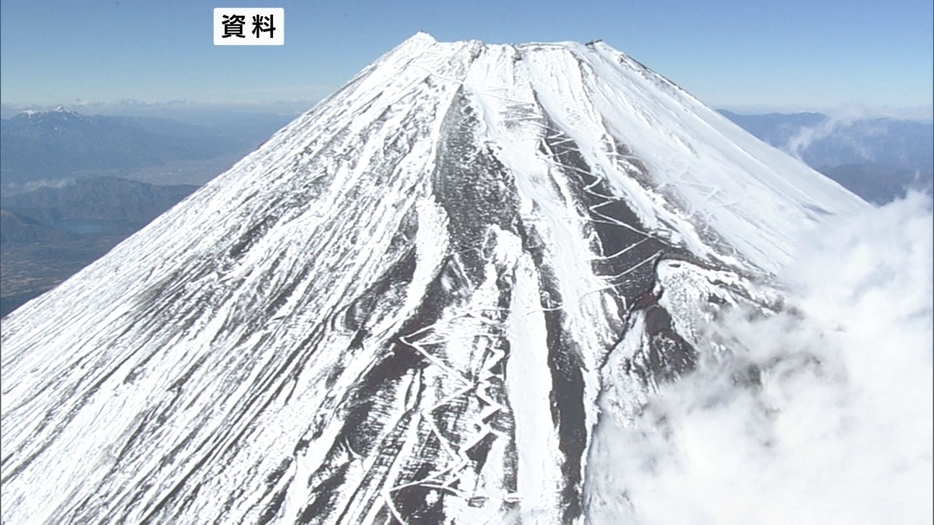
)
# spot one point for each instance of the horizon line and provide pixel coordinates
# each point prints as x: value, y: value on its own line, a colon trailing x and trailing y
x: 924, y: 113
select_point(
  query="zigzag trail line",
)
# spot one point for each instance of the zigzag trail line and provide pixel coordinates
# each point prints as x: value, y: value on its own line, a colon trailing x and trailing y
x: 458, y: 455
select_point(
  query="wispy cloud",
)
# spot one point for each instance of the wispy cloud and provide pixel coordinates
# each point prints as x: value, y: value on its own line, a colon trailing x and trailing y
x: 23, y: 187
x: 799, y: 143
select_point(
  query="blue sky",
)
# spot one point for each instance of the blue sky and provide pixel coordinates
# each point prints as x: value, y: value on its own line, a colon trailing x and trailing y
x: 734, y: 54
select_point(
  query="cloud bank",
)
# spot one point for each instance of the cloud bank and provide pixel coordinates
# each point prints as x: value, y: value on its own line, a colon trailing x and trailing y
x: 819, y: 414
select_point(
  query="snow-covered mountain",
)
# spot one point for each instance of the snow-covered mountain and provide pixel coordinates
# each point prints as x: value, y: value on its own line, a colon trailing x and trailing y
x: 413, y: 304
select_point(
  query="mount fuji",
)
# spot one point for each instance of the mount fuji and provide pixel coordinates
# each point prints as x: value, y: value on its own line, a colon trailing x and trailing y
x: 416, y: 303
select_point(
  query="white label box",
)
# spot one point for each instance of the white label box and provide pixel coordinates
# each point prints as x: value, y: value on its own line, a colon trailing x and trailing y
x: 249, y: 26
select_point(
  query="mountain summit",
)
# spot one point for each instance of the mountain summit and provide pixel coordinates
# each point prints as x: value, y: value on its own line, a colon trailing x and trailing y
x: 413, y: 304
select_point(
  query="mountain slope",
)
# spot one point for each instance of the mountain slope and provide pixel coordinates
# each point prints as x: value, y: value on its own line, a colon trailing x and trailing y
x: 50, y: 233
x: 406, y: 303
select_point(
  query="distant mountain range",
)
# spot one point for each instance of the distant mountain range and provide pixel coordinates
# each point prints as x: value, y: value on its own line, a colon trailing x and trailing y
x: 47, y: 147
x: 102, y: 199
x: 61, y: 144
x: 876, y: 158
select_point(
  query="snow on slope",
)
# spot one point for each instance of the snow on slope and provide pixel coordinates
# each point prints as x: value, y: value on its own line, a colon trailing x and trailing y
x: 403, y: 304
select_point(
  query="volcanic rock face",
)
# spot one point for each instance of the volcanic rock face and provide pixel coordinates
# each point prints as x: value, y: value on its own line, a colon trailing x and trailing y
x: 405, y: 305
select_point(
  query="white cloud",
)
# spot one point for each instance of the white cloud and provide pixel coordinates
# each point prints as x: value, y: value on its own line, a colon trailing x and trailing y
x: 798, y: 144
x: 840, y: 430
